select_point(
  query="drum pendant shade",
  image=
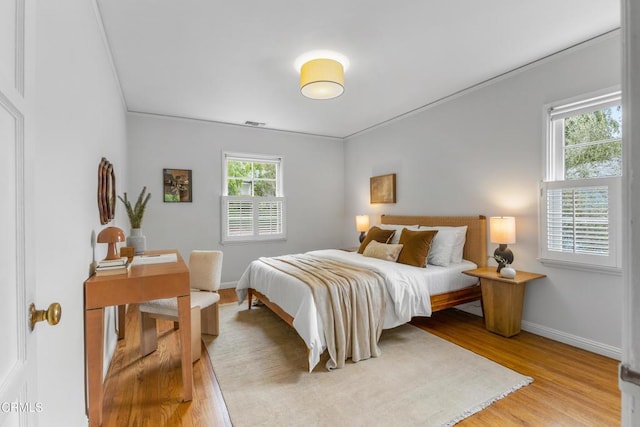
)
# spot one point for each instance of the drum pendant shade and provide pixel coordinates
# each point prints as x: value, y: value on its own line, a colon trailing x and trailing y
x: 322, y: 79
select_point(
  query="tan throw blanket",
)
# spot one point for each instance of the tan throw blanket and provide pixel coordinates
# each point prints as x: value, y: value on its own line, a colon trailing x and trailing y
x: 349, y: 299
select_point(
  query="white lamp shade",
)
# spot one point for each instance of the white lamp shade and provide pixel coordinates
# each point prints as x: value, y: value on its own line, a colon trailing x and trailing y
x: 362, y: 222
x: 322, y: 78
x: 502, y: 229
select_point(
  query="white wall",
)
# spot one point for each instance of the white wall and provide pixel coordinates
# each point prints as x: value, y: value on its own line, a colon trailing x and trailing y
x: 481, y: 153
x: 313, y: 184
x: 80, y: 117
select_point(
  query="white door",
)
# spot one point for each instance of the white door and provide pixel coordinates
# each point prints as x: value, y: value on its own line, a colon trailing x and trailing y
x: 18, y: 405
x: 630, y: 381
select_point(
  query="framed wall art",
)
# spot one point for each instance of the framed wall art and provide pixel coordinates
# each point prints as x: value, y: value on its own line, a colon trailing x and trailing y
x: 177, y: 185
x: 383, y: 188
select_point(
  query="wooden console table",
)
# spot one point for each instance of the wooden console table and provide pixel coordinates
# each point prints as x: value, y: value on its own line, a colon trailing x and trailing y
x: 141, y: 283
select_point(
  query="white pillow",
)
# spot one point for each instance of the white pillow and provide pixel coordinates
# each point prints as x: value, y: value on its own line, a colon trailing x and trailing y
x: 447, y: 245
x: 441, y: 246
x: 398, y: 228
x: 456, y: 256
x: 385, y: 251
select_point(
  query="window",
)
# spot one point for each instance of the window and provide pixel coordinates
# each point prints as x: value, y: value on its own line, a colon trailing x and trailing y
x: 253, y: 206
x: 580, y: 196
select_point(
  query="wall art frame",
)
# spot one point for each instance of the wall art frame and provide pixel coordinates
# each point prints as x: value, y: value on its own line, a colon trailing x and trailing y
x: 177, y: 185
x: 383, y: 188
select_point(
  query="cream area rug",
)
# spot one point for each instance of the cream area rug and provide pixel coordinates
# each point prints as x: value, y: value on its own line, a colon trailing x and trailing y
x: 419, y: 379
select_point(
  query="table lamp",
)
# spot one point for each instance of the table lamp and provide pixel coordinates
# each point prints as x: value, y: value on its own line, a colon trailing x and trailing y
x: 362, y: 225
x: 111, y: 236
x: 502, y: 230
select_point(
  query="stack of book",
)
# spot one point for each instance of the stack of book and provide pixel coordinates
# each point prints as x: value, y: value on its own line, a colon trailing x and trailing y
x: 112, y: 266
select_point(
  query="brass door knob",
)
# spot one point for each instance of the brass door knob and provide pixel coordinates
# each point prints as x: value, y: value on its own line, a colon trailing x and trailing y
x: 52, y: 315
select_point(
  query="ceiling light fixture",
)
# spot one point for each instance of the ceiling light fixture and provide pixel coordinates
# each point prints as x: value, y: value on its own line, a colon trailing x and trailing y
x: 322, y: 78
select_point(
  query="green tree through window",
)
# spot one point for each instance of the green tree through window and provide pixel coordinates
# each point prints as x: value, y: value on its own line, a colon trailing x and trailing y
x: 256, y: 179
x: 593, y: 144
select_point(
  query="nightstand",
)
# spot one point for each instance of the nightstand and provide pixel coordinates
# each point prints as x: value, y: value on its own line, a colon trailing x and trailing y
x: 502, y: 299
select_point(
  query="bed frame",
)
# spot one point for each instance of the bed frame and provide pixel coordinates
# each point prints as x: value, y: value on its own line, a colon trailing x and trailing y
x: 475, y: 249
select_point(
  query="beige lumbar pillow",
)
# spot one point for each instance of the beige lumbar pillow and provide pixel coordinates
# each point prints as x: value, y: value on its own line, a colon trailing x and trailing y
x: 387, y: 252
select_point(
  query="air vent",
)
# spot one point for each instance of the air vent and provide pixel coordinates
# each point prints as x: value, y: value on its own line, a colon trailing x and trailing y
x: 256, y: 124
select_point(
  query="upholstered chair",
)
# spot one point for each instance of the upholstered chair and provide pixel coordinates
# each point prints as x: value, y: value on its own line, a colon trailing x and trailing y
x: 205, y: 268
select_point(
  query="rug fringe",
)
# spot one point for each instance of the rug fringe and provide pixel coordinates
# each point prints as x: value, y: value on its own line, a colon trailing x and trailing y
x: 487, y: 403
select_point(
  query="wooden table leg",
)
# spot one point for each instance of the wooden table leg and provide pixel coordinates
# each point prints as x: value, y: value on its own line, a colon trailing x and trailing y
x: 122, y: 312
x: 94, y: 339
x: 184, y: 316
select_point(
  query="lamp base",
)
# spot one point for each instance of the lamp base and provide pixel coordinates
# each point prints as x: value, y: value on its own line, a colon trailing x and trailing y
x: 362, y: 236
x: 505, y: 253
x: 112, y: 252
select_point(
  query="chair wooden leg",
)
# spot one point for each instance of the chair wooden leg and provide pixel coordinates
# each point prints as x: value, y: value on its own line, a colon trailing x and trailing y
x: 196, y: 346
x: 211, y: 320
x: 148, y: 334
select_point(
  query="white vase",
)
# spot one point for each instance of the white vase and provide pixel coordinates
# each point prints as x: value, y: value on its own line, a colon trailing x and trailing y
x: 137, y: 240
x: 508, y: 272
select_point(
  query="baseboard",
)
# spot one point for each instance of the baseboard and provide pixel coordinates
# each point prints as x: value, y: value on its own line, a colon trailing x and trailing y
x: 554, y: 334
x: 573, y: 340
x: 228, y: 285
x: 471, y: 307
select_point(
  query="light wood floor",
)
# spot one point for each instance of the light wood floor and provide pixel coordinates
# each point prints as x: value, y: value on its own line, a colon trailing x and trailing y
x: 571, y: 386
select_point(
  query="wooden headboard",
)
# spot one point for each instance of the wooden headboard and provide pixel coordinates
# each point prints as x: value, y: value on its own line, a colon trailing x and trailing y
x: 475, y: 247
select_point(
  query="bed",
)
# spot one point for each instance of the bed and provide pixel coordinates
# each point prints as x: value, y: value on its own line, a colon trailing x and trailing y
x: 291, y: 299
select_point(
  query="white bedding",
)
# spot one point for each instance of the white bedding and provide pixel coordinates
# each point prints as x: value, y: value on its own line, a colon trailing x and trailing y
x: 408, y: 292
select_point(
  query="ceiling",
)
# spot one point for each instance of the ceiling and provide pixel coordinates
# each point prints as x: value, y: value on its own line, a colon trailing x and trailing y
x: 233, y: 61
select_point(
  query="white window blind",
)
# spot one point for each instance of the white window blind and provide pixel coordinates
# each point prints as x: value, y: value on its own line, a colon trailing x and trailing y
x: 270, y: 214
x: 239, y: 217
x: 580, y: 222
x: 253, y: 218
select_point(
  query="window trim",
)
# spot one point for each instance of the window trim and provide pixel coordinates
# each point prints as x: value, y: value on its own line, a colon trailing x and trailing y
x: 553, y: 176
x: 255, y: 200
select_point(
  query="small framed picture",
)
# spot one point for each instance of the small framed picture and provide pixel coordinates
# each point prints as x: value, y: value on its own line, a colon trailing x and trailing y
x: 177, y: 185
x: 383, y: 188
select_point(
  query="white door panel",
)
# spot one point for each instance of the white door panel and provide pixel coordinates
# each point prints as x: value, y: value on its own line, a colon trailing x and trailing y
x: 18, y: 404
x: 9, y: 29
x: 8, y: 261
